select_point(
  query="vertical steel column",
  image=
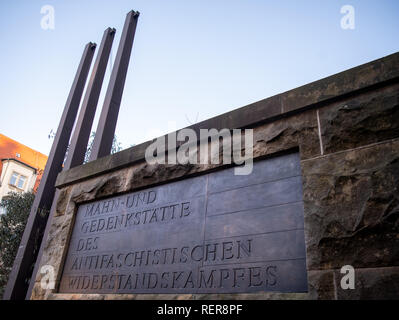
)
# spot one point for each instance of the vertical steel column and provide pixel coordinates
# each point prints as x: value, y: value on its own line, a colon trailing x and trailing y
x: 81, y: 134
x: 109, y: 114
x: 21, y: 272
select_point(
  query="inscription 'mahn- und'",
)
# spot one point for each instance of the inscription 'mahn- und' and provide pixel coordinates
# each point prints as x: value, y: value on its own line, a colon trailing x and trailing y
x: 142, y: 215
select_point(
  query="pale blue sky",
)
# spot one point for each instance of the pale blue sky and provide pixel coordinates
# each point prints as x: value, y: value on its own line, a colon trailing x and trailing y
x: 189, y: 57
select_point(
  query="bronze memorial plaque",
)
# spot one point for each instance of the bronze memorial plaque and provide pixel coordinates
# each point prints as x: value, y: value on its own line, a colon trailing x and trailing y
x: 215, y: 233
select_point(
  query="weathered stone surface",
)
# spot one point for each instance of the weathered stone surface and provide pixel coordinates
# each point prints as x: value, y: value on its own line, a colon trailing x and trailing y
x: 38, y: 293
x: 77, y: 297
x: 54, y: 250
x: 351, y: 208
x: 375, y: 284
x: 321, y: 285
x: 364, y: 119
x: 149, y: 174
x: 60, y: 296
x: 62, y: 201
x: 99, y: 187
x: 300, y: 130
x: 251, y: 296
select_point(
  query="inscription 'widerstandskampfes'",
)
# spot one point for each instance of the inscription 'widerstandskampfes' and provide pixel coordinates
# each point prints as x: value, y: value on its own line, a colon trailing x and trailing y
x: 214, y: 233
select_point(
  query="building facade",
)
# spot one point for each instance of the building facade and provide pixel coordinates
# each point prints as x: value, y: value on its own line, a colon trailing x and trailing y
x: 21, y: 167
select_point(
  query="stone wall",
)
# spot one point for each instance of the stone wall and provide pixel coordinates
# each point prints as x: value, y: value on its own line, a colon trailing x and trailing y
x: 346, y: 128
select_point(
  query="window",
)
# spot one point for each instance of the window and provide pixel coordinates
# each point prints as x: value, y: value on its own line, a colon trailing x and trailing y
x: 17, y: 180
x: 14, y: 178
x: 21, y: 182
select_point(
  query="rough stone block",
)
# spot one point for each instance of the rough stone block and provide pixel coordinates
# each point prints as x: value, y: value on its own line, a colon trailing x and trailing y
x: 296, y: 131
x: 351, y: 202
x: 364, y: 119
x: 374, y: 284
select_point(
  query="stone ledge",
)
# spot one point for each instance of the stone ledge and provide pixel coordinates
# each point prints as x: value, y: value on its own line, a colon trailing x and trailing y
x: 375, y: 73
x: 231, y: 296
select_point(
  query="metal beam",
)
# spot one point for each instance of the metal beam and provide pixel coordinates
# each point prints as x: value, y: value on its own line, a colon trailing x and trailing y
x: 81, y: 133
x: 109, y: 114
x: 21, y: 272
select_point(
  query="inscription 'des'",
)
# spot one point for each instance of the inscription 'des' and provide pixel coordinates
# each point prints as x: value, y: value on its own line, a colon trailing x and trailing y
x: 213, y: 233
